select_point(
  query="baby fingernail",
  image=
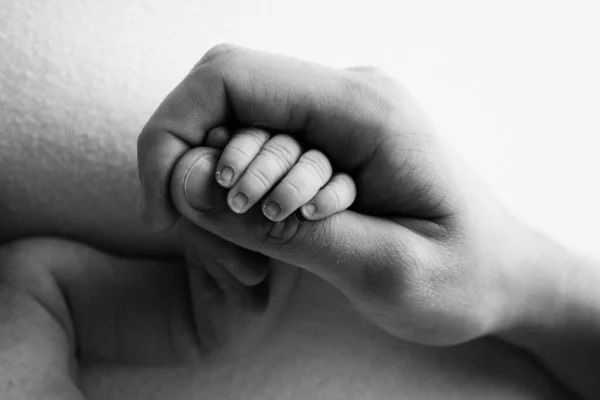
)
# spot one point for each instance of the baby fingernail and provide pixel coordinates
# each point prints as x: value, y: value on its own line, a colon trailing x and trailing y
x: 238, y: 202
x: 272, y: 209
x: 277, y: 230
x: 309, y: 209
x: 224, y: 176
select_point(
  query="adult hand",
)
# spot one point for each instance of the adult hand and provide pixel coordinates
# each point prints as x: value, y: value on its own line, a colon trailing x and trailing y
x: 69, y: 311
x: 423, y: 253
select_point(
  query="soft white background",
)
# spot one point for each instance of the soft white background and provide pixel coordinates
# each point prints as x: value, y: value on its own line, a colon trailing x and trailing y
x: 515, y: 84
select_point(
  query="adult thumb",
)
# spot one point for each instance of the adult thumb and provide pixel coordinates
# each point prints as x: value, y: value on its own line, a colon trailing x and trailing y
x: 348, y: 249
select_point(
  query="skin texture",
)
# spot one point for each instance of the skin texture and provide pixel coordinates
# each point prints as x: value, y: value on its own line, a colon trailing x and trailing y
x: 417, y: 253
x: 75, y: 230
x: 424, y: 253
x: 144, y: 359
x: 61, y: 226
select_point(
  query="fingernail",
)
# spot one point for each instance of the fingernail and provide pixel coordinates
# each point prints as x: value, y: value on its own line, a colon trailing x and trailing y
x: 272, y: 209
x: 299, y: 217
x: 224, y: 176
x: 238, y: 202
x: 277, y: 230
x: 309, y: 210
x: 197, y: 184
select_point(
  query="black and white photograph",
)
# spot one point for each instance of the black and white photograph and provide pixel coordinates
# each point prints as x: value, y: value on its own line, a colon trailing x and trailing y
x: 299, y: 200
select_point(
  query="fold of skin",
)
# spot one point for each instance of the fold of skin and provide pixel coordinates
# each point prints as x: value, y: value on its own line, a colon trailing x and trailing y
x: 94, y: 306
x: 134, y: 329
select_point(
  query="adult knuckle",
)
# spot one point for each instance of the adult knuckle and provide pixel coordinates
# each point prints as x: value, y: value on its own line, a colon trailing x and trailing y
x: 354, y: 82
x: 218, y: 51
x: 372, y: 99
x: 377, y: 71
x: 374, y: 71
x: 222, y: 48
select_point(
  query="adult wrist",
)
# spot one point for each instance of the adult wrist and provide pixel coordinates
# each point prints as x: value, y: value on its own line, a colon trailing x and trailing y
x: 557, y: 313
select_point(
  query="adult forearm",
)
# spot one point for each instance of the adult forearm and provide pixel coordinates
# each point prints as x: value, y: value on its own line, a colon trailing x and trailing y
x: 559, y: 320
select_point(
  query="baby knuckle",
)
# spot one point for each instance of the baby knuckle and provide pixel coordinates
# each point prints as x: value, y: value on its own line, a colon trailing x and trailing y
x: 236, y: 151
x: 295, y: 236
x: 258, y: 235
x: 317, y: 164
x: 286, y: 141
x: 259, y: 177
x: 296, y: 189
x: 281, y: 152
x: 256, y: 136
